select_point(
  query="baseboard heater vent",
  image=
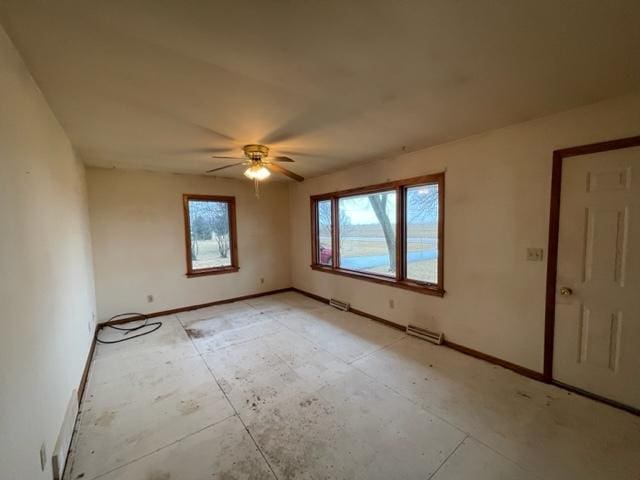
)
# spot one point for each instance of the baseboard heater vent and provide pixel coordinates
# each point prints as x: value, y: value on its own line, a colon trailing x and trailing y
x: 425, y: 334
x: 339, y: 305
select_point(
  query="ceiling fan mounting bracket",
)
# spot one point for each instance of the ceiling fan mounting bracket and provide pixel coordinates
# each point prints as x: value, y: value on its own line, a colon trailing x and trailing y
x: 256, y: 152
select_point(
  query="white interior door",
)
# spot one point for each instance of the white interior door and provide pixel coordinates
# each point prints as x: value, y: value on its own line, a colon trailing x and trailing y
x: 597, y: 328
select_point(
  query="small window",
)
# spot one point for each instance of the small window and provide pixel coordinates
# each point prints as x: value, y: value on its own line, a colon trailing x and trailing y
x: 389, y: 233
x: 422, y: 219
x: 325, y: 241
x: 210, y: 234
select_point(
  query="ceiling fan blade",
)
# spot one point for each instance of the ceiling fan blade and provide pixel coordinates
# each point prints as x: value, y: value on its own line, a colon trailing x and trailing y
x: 281, y: 159
x: 277, y: 168
x: 211, y: 150
x: 296, y: 153
x: 226, y: 166
x: 226, y: 158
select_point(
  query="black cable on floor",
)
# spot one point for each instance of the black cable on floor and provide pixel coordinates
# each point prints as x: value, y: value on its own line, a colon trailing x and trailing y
x: 128, y: 330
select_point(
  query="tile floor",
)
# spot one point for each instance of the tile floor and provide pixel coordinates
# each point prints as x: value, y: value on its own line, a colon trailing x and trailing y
x: 286, y: 387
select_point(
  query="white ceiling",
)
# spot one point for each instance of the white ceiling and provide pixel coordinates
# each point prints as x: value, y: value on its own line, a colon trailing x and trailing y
x: 160, y: 85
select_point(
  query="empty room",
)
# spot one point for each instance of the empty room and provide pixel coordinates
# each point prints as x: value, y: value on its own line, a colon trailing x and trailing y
x: 299, y: 239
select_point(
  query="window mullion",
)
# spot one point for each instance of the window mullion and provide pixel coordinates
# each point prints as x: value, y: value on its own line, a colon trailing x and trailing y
x: 335, y: 232
x: 315, y: 232
x: 441, y: 231
x: 400, y: 234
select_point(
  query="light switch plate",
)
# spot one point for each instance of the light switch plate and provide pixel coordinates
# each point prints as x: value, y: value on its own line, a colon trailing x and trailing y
x: 535, y: 254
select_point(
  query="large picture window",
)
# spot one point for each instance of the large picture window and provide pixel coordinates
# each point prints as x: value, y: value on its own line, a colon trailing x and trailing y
x: 390, y: 233
x: 210, y: 234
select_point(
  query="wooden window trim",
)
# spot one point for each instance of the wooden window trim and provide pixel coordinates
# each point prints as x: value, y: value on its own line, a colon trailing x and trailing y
x: 400, y: 280
x: 233, y: 237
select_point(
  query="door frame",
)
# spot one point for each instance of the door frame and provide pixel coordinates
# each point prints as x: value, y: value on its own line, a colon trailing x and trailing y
x: 552, y: 255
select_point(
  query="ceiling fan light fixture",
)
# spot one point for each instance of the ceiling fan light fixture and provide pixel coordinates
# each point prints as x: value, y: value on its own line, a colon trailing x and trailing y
x: 257, y: 172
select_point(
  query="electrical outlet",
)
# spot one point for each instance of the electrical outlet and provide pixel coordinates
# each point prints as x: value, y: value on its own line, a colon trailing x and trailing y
x: 535, y: 254
x: 262, y: 281
x: 149, y: 298
x: 43, y: 456
x: 392, y: 304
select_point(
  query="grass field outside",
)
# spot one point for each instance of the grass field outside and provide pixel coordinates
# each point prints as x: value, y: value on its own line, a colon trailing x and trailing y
x: 363, y: 248
x: 207, y: 255
x: 421, y: 270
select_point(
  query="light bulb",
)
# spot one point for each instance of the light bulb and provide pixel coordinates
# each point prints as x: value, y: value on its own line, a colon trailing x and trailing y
x: 257, y: 172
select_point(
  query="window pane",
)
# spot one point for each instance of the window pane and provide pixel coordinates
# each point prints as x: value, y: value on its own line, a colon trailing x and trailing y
x: 422, y: 233
x: 368, y: 232
x: 209, y: 228
x: 325, y: 250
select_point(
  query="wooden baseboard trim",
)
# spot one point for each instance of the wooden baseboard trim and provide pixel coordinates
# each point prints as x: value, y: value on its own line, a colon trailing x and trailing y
x: 311, y: 295
x: 597, y: 398
x: 495, y: 360
x: 173, y: 311
x: 87, y: 365
x: 388, y: 323
x: 538, y: 376
x: 455, y: 346
x: 80, y: 392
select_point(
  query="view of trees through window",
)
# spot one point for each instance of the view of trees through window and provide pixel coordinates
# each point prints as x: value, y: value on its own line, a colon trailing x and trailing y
x: 325, y: 242
x: 421, y: 217
x: 209, y: 228
x: 368, y: 232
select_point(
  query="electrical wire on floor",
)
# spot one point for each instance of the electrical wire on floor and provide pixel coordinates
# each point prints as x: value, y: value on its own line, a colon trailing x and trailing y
x: 128, y: 330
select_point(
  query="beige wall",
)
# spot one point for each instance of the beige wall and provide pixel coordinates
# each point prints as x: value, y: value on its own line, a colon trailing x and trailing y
x: 139, y: 248
x: 497, y: 203
x: 46, y: 282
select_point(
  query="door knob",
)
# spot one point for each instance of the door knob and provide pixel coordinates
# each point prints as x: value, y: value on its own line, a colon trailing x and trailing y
x: 565, y: 291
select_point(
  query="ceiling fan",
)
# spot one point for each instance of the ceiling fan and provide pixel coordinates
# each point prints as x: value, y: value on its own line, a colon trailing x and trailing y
x: 259, y: 164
